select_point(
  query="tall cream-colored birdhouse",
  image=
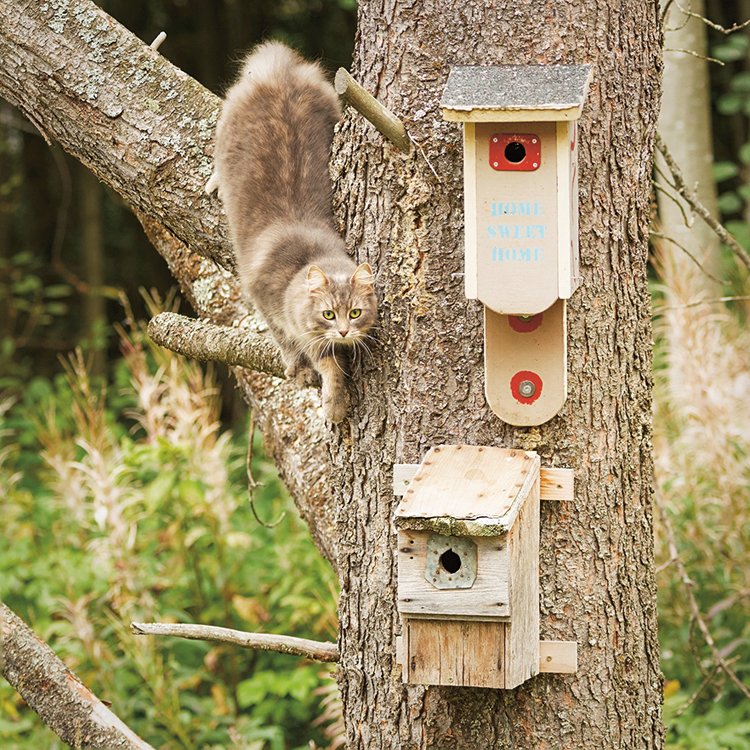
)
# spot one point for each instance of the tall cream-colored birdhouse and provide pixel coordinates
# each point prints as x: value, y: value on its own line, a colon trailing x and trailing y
x: 521, y: 223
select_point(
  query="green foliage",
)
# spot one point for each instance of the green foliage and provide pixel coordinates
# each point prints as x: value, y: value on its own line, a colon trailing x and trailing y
x: 133, y: 507
x: 30, y: 308
x: 715, y: 728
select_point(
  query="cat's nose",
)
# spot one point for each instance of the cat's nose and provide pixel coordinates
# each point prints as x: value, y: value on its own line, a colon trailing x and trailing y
x: 344, y: 332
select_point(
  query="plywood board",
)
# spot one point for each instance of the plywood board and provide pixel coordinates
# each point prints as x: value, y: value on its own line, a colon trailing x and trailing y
x: 468, y: 490
x: 454, y: 653
x: 522, y: 631
x: 543, y: 352
x: 556, y: 482
x: 567, y: 208
x: 470, y: 209
x: 515, y: 224
x: 488, y: 597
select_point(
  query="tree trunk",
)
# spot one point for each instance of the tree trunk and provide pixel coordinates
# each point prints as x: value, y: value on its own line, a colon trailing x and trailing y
x: 145, y: 129
x: 93, y: 311
x: 685, y: 126
x: 425, y: 383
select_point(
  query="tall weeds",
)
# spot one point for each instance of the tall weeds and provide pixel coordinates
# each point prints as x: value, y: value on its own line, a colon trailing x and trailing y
x: 140, y: 513
x: 702, y: 451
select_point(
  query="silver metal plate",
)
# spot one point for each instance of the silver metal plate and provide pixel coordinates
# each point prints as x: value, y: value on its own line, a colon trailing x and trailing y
x: 451, y: 562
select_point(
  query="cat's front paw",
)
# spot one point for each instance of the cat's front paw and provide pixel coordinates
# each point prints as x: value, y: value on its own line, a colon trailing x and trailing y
x: 335, y: 409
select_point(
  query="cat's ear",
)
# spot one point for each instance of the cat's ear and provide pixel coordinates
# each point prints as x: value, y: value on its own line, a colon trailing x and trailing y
x: 316, y: 279
x: 363, y: 275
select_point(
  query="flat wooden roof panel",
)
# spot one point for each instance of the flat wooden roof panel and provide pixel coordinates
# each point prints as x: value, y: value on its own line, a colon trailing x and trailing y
x: 468, y: 490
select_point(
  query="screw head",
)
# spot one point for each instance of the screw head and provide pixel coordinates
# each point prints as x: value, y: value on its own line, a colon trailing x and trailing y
x: 494, y: 164
x: 526, y: 388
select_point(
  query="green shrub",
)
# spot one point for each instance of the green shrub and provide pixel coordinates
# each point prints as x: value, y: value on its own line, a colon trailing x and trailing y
x: 133, y: 506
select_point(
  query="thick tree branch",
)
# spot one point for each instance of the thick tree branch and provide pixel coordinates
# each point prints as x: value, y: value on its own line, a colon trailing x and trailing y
x: 146, y: 129
x: 141, y: 124
x: 208, y: 342
x: 285, y: 644
x: 62, y: 701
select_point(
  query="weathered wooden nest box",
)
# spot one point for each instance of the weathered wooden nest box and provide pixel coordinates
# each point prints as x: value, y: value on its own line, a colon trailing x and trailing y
x: 468, y: 568
x: 521, y: 223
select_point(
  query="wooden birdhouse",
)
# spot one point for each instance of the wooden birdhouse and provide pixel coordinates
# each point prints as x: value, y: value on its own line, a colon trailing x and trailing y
x: 521, y: 223
x: 468, y: 568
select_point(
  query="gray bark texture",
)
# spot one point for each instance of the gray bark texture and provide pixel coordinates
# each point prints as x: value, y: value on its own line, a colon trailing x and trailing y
x: 146, y: 129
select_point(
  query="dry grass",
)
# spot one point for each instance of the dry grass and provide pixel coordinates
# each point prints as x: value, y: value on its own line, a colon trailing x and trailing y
x: 702, y: 452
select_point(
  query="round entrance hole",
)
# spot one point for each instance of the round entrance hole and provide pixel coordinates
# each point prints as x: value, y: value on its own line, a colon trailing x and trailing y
x: 450, y: 561
x: 515, y: 152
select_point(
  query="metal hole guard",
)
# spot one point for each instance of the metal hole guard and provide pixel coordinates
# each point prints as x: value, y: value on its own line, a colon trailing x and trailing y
x: 435, y: 572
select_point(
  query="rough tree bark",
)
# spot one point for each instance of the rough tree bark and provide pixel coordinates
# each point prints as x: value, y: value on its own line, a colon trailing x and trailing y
x: 145, y: 128
x: 425, y: 385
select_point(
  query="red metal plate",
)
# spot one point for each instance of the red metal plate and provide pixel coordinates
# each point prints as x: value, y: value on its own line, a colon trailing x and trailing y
x: 515, y: 152
x: 524, y: 323
x: 521, y: 381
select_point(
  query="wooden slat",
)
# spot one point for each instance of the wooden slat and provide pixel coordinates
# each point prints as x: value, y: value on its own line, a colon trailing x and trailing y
x: 555, y: 657
x: 542, y: 351
x: 467, y: 483
x: 488, y: 597
x: 560, y: 657
x: 556, y: 483
x: 454, y: 653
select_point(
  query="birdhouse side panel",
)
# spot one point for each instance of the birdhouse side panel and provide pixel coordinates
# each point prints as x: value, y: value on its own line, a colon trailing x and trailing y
x: 486, y: 598
x: 516, y: 216
x: 567, y: 211
x: 522, y: 633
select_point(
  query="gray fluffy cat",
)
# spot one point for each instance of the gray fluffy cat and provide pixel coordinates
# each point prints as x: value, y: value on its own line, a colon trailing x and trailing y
x: 273, y: 142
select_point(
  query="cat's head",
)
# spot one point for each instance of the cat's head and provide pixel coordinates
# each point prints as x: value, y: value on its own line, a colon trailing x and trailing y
x: 341, y: 307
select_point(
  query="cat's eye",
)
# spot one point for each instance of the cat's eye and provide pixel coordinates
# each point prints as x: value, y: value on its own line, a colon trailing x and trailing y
x: 329, y: 314
x: 355, y: 313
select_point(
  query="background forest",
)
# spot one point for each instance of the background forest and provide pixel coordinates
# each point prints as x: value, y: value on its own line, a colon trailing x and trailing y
x: 123, y: 485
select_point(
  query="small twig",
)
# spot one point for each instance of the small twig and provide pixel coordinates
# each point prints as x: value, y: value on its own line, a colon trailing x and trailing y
x: 251, y: 483
x: 693, y: 53
x: 285, y: 644
x: 688, y: 219
x: 690, y: 196
x: 694, y: 697
x: 161, y: 36
x: 689, y: 254
x: 716, y: 26
x: 371, y: 109
x: 424, y: 156
x: 205, y: 341
x: 696, y: 616
x: 714, y: 301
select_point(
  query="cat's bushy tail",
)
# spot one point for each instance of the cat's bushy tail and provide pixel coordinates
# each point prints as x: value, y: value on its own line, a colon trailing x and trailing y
x: 271, y: 62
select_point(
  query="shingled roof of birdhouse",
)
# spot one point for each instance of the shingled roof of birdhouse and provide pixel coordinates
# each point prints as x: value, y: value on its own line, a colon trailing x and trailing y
x: 518, y: 93
x: 466, y: 490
